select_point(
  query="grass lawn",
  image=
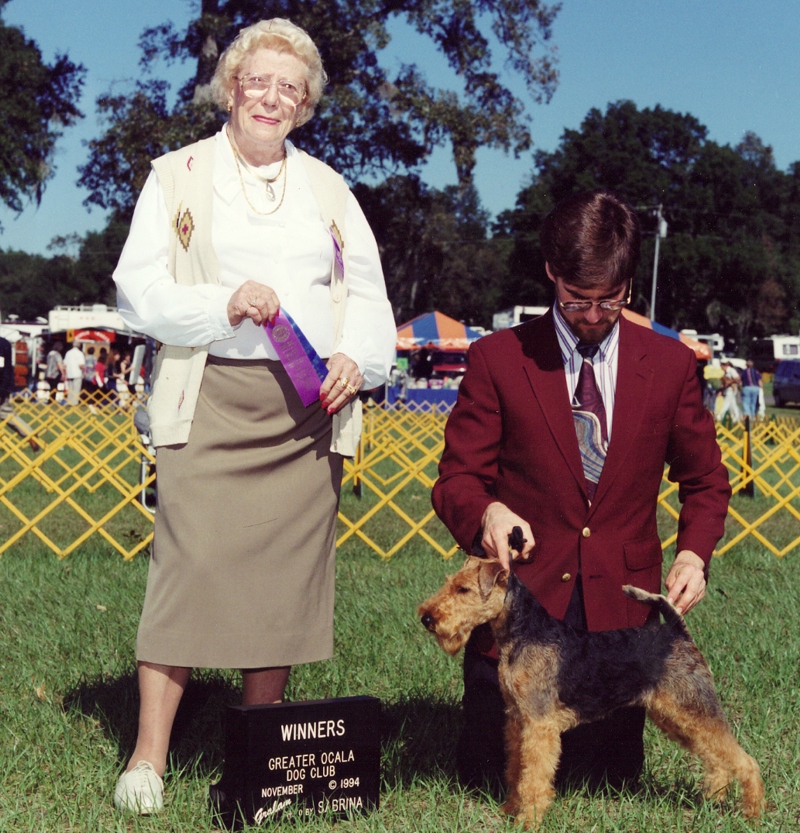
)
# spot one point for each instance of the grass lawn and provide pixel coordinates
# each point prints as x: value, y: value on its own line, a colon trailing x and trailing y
x: 68, y: 701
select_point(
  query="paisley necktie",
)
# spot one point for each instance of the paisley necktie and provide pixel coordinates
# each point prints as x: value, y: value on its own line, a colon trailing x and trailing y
x: 589, y: 414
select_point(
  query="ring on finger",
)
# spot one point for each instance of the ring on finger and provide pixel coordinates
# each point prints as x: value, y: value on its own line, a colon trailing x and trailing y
x: 343, y: 382
x: 351, y: 389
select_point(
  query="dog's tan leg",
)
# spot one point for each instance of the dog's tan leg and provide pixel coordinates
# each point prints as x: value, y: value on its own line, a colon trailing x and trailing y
x: 706, y: 733
x: 513, y: 763
x: 540, y: 750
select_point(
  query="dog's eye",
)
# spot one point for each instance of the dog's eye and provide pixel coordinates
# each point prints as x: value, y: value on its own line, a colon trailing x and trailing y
x: 462, y: 589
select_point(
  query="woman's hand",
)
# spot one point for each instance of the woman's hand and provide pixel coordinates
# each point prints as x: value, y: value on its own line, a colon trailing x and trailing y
x: 255, y: 301
x: 342, y: 383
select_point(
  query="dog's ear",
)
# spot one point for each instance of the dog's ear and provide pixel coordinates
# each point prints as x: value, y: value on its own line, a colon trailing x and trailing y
x: 491, y: 572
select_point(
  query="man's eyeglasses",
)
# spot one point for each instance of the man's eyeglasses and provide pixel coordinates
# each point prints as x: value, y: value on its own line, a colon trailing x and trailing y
x: 585, y: 306
x: 257, y: 86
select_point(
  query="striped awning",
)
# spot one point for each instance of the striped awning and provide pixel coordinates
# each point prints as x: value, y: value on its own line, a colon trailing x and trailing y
x: 435, y: 329
x: 701, y: 350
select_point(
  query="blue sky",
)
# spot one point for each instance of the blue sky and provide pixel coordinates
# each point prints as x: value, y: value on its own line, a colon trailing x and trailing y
x: 733, y: 64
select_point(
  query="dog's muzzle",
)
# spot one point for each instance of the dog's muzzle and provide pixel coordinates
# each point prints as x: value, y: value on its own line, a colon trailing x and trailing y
x: 428, y: 621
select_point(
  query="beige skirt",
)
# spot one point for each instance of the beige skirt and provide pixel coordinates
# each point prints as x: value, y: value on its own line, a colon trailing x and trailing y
x: 242, y: 569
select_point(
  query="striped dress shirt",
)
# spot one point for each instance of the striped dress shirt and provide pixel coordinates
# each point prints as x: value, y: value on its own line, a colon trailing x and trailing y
x: 605, y: 363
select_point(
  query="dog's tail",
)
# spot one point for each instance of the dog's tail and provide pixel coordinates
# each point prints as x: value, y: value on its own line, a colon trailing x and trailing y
x: 664, y: 606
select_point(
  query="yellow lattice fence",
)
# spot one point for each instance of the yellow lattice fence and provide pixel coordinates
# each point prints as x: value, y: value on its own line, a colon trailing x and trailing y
x: 72, y: 475
x: 89, y: 481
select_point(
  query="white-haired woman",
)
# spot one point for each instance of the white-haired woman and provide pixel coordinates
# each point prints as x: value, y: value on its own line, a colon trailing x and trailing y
x: 227, y: 233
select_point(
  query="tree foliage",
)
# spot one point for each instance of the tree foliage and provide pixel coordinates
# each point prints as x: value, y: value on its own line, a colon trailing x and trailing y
x: 77, y: 272
x: 370, y: 121
x: 36, y: 101
x: 731, y: 261
x: 434, y: 249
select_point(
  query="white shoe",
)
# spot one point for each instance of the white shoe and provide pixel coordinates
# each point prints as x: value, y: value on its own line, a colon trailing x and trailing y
x: 140, y: 790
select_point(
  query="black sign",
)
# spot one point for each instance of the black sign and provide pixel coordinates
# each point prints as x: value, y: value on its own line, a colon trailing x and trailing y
x: 296, y: 760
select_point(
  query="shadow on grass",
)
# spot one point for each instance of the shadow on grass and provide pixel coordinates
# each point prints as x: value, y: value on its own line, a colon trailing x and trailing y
x: 198, y: 734
x: 418, y: 735
x: 682, y: 792
x: 419, y: 740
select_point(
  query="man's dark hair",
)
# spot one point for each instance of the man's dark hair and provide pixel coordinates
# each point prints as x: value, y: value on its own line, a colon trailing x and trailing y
x: 592, y: 239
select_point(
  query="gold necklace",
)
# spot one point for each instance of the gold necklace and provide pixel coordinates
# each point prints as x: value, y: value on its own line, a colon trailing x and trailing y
x: 267, y: 180
x: 244, y: 190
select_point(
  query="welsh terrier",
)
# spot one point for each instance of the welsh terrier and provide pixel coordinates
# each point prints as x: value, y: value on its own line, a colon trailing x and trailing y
x: 554, y: 677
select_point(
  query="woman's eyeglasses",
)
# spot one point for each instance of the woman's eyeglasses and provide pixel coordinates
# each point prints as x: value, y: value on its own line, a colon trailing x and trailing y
x: 257, y: 86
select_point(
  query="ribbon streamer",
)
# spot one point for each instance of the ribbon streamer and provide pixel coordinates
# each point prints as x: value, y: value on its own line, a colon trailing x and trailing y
x: 301, y: 362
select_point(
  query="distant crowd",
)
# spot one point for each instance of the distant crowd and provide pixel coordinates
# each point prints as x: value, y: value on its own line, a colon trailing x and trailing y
x: 95, y: 371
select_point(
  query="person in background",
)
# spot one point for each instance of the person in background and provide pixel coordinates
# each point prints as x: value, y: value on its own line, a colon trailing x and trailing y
x: 124, y: 371
x: 113, y: 374
x: 100, y: 369
x: 752, y: 386
x: 228, y: 233
x: 73, y: 369
x: 88, y: 370
x: 6, y: 370
x: 729, y: 386
x: 6, y: 390
x: 54, y: 370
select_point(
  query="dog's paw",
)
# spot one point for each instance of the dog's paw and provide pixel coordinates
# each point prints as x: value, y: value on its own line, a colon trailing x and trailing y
x: 530, y: 818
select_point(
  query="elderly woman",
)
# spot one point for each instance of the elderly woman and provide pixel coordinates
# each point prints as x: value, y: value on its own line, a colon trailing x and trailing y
x: 228, y: 233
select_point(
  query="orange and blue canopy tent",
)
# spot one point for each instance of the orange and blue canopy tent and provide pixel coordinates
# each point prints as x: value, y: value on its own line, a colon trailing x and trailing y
x: 701, y: 350
x: 435, y: 329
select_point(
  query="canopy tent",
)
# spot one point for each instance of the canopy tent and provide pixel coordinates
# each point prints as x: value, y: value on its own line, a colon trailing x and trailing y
x: 103, y: 336
x: 701, y: 350
x: 435, y: 329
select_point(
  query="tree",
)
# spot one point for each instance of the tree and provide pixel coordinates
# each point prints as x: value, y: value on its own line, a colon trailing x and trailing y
x: 97, y: 258
x: 369, y: 121
x: 31, y: 285
x: 730, y: 260
x: 36, y: 101
x: 434, y: 249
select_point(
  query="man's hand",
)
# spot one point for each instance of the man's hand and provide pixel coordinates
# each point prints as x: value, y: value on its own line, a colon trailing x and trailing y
x: 497, y: 522
x: 686, y: 582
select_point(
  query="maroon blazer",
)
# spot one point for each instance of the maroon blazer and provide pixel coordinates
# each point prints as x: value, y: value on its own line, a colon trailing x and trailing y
x: 511, y: 437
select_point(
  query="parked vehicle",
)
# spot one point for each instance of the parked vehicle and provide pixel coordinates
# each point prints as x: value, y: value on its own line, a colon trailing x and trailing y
x: 786, y: 385
x: 767, y: 352
x: 715, y: 341
x: 515, y: 315
x: 449, y: 363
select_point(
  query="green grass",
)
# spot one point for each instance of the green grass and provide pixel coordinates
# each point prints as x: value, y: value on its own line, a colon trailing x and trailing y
x: 68, y: 701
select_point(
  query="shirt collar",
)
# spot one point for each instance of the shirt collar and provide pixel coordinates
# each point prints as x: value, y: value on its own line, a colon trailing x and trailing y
x: 568, y: 341
x: 226, y: 176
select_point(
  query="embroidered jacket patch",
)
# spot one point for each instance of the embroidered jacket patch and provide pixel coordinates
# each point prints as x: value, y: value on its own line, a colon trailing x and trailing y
x: 184, y: 226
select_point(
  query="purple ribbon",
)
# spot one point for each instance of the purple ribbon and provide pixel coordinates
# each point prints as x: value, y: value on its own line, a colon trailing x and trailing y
x: 337, y: 249
x: 287, y: 339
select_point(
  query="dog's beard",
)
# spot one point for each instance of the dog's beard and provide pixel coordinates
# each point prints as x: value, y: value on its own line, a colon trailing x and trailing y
x: 452, y: 643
